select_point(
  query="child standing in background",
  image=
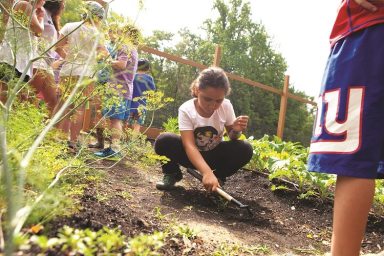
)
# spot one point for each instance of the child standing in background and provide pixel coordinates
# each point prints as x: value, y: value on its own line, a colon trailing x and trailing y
x: 124, y: 67
x: 43, y: 74
x: 143, y: 82
x: 79, y: 61
x: 348, y: 138
x: 202, y: 122
x: 19, y: 43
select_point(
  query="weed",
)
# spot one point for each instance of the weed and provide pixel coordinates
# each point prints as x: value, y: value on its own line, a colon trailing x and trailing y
x: 158, y: 214
x: 185, y: 231
x: 171, y: 125
x: 147, y: 245
x: 126, y: 195
x: 236, y: 249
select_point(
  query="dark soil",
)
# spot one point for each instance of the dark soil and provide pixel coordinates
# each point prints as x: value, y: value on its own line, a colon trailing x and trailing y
x: 280, y: 220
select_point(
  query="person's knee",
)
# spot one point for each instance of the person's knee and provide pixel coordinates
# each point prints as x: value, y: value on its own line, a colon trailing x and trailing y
x: 248, y: 150
x: 164, y: 141
x: 244, y: 150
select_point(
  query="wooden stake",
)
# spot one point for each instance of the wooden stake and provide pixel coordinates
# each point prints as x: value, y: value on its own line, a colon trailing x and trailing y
x: 283, y: 108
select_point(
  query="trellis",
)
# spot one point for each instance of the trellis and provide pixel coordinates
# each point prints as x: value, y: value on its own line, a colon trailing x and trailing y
x: 284, y: 93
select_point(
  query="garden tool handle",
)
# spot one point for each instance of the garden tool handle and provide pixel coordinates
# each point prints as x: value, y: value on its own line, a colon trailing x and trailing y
x: 219, y: 191
x: 195, y: 174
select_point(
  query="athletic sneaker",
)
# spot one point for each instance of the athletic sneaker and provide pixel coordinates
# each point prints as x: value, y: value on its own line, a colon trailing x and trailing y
x: 169, y: 180
x: 107, y: 153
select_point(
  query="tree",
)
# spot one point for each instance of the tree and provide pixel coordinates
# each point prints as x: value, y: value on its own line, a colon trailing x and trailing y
x: 247, y: 51
x: 72, y: 11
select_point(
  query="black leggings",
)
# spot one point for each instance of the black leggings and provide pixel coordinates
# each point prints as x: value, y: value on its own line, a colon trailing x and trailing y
x: 226, y: 158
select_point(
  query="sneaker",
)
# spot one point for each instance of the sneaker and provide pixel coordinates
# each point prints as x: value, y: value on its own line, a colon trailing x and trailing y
x: 107, y: 153
x: 169, y: 180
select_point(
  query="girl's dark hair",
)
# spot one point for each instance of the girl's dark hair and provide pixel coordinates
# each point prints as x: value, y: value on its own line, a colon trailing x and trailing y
x: 211, y: 77
x: 55, y: 7
x: 143, y: 65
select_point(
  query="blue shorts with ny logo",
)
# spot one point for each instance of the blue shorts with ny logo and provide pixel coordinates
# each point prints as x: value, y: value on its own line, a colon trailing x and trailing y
x: 348, y: 135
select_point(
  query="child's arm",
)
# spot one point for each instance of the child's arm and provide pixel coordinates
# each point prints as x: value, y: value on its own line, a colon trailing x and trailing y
x: 118, y: 64
x: 238, y: 126
x: 370, y: 4
x: 36, y: 14
x: 60, y: 49
x: 210, y: 181
x: 122, y: 60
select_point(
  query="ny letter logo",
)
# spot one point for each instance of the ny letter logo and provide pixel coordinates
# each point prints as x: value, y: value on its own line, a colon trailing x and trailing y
x: 333, y: 135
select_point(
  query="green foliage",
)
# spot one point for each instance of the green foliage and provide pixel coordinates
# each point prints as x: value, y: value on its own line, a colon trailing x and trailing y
x: 139, y: 151
x: 147, y: 245
x: 236, y: 249
x: 24, y: 124
x: 82, y: 242
x: 247, y: 51
x: 50, y: 161
x: 156, y: 100
x: 287, y: 160
x: 185, y: 231
x: 379, y: 197
x: 158, y: 214
x: 171, y: 125
x: 72, y: 12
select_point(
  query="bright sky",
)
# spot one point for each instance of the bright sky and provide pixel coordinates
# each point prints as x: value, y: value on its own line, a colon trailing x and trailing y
x: 299, y: 28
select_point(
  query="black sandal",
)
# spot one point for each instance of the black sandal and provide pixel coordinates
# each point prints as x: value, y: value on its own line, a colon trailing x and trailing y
x: 73, y: 146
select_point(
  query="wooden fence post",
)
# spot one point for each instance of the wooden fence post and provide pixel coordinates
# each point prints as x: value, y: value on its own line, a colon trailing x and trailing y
x: 283, y: 108
x: 285, y: 94
x: 217, y: 57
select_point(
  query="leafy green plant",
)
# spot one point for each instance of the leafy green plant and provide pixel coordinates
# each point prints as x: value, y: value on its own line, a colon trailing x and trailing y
x: 287, y: 161
x: 236, y: 249
x: 147, y: 245
x: 171, y: 125
x: 158, y: 214
x: 185, y: 231
x: 84, y: 242
x: 379, y: 197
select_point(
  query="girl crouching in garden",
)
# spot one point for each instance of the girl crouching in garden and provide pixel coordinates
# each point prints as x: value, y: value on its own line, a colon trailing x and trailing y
x: 202, y: 123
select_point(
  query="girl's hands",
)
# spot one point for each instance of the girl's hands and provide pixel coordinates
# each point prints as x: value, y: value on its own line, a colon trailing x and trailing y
x: 210, y: 182
x: 40, y: 12
x: 370, y: 5
x: 240, y: 123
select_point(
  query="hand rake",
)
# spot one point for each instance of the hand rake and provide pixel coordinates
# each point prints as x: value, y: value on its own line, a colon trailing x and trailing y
x: 221, y: 192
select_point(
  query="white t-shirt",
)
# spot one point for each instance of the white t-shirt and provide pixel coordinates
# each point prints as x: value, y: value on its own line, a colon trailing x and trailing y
x: 80, y: 46
x: 209, y: 131
x: 47, y: 39
x: 18, y: 47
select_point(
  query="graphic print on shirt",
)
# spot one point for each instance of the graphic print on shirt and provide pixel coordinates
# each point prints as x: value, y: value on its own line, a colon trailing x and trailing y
x: 206, y: 138
x: 338, y: 126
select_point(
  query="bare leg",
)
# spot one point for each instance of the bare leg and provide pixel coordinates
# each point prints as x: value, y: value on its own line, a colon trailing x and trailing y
x: 65, y: 125
x: 3, y: 91
x: 353, y: 200
x: 44, y: 82
x: 117, y: 130
x: 136, y: 127
x: 76, y: 124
